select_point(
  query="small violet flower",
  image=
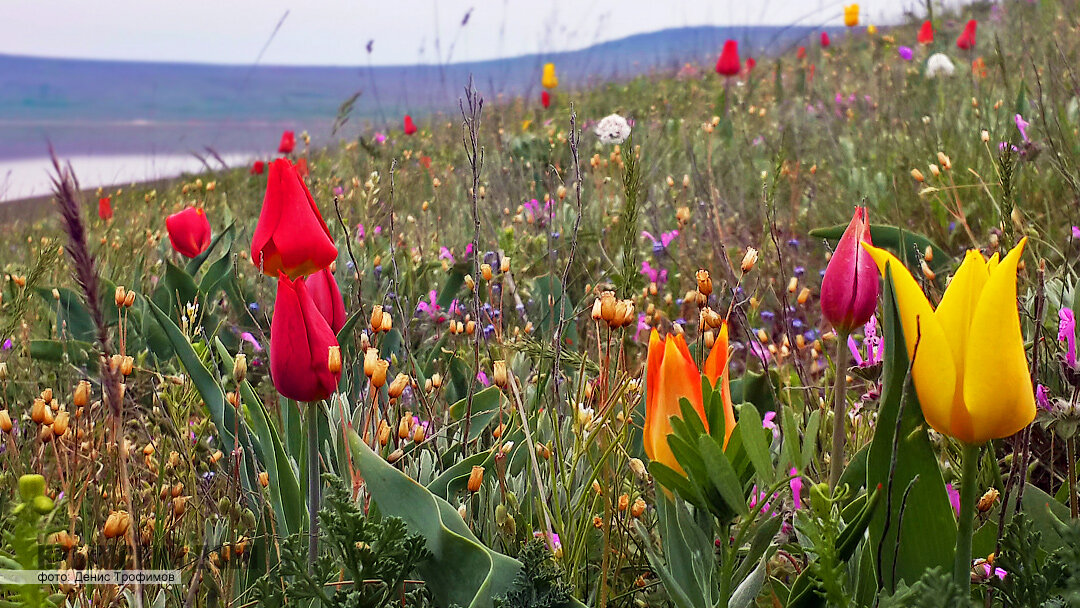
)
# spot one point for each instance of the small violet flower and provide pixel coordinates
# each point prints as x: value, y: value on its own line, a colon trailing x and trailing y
x: 954, y: 498
x: 905, y: 53
x: 796, y: 488
x: 1067, y: 333
x: 1022, y: 125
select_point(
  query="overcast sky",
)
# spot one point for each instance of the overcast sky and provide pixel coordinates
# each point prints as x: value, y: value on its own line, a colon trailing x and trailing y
x: 336, y: 32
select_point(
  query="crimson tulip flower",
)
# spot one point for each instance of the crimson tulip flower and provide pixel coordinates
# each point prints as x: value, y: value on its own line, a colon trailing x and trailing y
x: 327, y: 297
x: 301, y: 345
x: 291, y: 236
x: 104, y: 208
x: 750, y: 64
x: 258, y: 167
x: 410, y: 126
x: 849, y: 290
x: 728, y: 64
x: 926, y: 33
x: 545, y: 98
x: 824, y: 39
x: 189, y: 231
x: 967, y: 37
x: 288, y: 142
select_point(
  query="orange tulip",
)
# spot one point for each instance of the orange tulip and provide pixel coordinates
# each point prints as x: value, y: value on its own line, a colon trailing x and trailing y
x: 672, y: 375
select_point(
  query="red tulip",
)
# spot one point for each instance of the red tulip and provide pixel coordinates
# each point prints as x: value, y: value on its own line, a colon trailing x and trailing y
x: 288, y: 142
x: 327, y: 297
x: 258, y: 167
x: 728, y: 64
x: 301, y: 167
x: 104, y: 208
x: 291, y: 236
x: 801, y: 53
x: 926, y: 33
x: 300, y: 345
x: 545, y: 98
x: 824, y: 39
x: 967, y: 37
x: 849, y: 290
x: 750, y: 64
x: 189, y: 231
x: 410, y: 127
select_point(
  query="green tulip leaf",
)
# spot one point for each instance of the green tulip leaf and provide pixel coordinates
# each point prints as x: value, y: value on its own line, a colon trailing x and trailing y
x: 461, y: 569
x: 922, y: 539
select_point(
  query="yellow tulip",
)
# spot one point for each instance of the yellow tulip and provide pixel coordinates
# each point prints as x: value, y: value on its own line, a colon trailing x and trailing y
x: 970, y: 369
x: 672, y: 375
x: 549, y: 80
x: 851, y: 15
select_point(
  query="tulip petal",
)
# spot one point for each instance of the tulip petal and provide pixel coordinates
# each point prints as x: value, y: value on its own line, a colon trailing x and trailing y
x: 652, y: 379
x: 677, y: 377
x: 954, y: 312
x: 933, y: 367
x: 997, y: 388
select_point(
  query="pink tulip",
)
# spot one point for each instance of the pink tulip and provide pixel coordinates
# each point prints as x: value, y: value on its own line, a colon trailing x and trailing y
x: 849, y: 290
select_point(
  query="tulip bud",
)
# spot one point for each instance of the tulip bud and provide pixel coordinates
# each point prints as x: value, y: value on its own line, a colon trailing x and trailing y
x: 918, y: 175
x: 485, y: 271
x: 849, y: 289
x: 418, y: 434
x: 637, y: 508
x: 597, y: 309
x: 405, y: 425
x: 749, y: 259
x: 638, y: 467
x: 127, y: 365
x: 934, y: 170
x: 38, y: 411
x: 984, y: 136
x: 476, y: 478
x: 470, y: 282
x: 119, y: 296
x: 436, y: 381
x: 504, y: 265
x: 383, y: 434
x: 129, y: 300
x: 3, y: 372
x: 5, y: 421
x: 47, y: 396
x: 607, y: 306
x: 264, y: 479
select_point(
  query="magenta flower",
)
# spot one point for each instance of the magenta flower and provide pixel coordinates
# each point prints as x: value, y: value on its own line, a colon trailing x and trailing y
x: 1067, y: 333
x: 1022, y: 125
x: 849, y: 290
x: 1042, y: 398
x: 656, y: 275
x: 444, y: 254
x: 769, y: 422
x: 954, y: 498
x: 1076, y: 232
x: 796, y: 488
x: 905, y: 53
x: 660, y: 244
x: 875, y: 349
x: 250, y: 339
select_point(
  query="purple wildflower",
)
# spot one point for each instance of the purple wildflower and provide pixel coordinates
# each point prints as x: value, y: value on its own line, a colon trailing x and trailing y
x: 250, y: 339
x: 656, y: 275
x: 769, y: 422
x: 1022, y: 125
x: 905, y: 53
x: 444, y: 254
x: 796, y: 488
x: 954, y: 498
x: 1042, y: 398
x: 1067, y: 332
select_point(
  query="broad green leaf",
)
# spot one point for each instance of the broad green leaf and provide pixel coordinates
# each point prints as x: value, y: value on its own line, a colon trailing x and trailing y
x: 753, y: 439
x: 461, y: 570
x: 923, y: 539
x: 72, y: 319
x: 722, y: 476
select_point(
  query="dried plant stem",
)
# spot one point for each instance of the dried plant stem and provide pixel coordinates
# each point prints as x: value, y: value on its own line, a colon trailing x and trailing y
x: 572, y: 141
x: 839, y: 437
x: 472, y: 108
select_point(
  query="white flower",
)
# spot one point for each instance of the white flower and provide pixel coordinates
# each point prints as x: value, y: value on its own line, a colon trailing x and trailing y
x: 939, y: 64
x: 612, y: 129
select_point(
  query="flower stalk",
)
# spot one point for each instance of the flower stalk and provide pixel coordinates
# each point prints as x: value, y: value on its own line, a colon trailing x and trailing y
x: 839, y: 438
x: 966, y: 520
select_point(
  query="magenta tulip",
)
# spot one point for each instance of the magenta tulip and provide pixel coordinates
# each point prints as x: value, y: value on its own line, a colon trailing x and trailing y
x: 850, y: 288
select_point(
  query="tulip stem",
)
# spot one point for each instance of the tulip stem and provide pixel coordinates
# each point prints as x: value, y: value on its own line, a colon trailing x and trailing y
x: 965, y: 522
x: 314, y: 484
x: 839, y: 433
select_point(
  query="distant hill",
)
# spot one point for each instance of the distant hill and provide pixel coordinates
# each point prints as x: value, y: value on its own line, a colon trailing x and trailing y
x: 112, y: 107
